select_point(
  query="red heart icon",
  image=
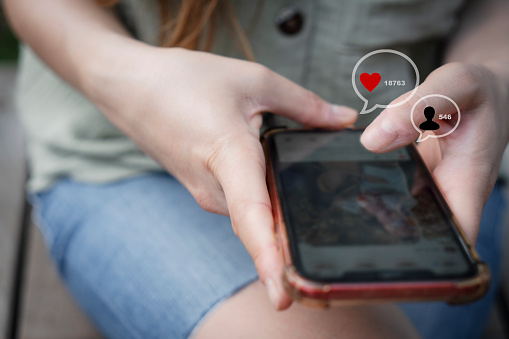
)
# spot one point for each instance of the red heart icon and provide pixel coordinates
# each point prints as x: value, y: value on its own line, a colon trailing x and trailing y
x: 370, y: 81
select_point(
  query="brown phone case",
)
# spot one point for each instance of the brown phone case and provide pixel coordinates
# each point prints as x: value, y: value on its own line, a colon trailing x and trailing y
x: 326, y: 294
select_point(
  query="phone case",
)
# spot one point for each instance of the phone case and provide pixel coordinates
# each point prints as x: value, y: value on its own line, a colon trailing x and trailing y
x: 320, y: 294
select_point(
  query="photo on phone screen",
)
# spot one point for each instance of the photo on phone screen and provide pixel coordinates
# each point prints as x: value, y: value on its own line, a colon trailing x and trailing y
x: 354, y: 215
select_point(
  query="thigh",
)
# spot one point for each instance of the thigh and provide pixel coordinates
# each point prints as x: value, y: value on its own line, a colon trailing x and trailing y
x: 140, y: 256
x: 442, y: 321
x: 249, y: 314
x: 433, y: 320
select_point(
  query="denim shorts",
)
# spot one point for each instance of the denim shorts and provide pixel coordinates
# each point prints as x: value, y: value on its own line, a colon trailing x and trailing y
x: 145, y: 261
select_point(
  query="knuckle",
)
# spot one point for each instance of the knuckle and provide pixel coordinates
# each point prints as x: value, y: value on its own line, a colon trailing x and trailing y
x: 314, y: 108
x: 203, y: 199
x: 207, y: 201
x: 452, y: 69
x: 247, y: 212
x: 230, y: 147
x: 259, y: 78
x: 215, y: 153
x: 465, y: 75
x: 255, y: 151
x: 261, y: 256
x: 262, y: 73
x: 257, y: 256
x: 470, y: 81
x: 314, y: 100
x: 240, y: 209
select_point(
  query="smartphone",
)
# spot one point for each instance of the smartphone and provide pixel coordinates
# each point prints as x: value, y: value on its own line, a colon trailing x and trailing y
x: 356, y: 226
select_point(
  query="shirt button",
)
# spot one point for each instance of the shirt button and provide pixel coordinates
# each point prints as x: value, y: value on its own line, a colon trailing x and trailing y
x: 289, y: 20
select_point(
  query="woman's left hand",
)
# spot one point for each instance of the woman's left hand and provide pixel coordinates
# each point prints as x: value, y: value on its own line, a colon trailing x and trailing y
x: 466, y: 162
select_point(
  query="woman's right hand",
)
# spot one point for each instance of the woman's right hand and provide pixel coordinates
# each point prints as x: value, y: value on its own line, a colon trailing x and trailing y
x: 199, y: 115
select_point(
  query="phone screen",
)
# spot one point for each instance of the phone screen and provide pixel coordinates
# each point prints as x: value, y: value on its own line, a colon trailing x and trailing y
x: 354, y: 215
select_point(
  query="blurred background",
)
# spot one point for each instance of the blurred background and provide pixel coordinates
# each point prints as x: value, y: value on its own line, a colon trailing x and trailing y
x: 11, y: 169
x: 33, y: 302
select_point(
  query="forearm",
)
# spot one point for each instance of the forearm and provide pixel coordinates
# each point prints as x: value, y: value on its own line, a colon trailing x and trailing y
x: 78, y: 39
x: 482, y: 37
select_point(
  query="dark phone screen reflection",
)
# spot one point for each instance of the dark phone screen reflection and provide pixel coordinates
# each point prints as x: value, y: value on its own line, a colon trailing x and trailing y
x: 354, y: 215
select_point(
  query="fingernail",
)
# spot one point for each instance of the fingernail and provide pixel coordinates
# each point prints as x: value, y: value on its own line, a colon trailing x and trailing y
x: 271, y: 289
x: 379, y: 136
x: 343, y: 114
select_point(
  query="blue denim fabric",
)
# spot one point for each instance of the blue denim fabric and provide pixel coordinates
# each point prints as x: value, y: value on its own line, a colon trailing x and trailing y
x: 140, y: 256
x: 145, y: 261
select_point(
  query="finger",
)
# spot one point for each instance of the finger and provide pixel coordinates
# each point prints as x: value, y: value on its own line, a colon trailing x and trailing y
x: 241, y: 174
x: 431, y: 153
x: 393, y: 127
x: 466, y: 195
x: 284, y: 97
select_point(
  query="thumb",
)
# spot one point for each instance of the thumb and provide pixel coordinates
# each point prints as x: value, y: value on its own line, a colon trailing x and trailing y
x: 393, y: 128
x: 283, y: 97
x: 465, y: 196
x: 241, y: 172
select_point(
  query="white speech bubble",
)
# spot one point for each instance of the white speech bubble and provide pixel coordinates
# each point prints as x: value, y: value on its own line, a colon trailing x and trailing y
x: 366, y: 101
x: 431, y: 135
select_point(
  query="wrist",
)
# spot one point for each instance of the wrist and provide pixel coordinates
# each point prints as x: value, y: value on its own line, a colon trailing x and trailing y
x: 113, y: 65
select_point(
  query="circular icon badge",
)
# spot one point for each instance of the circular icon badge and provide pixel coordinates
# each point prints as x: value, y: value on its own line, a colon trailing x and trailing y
x: 435, y: 116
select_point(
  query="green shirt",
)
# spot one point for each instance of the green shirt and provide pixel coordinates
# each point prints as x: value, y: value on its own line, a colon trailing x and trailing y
x: 69, y: 137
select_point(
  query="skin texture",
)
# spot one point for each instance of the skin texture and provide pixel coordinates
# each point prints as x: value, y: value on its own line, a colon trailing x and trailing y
x: 476, y: 76
x: 198, y: 115
x: 473, y: 150
x: 234, y: 320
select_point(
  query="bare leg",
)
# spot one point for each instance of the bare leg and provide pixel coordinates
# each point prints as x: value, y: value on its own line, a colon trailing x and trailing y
x: 249, y: 314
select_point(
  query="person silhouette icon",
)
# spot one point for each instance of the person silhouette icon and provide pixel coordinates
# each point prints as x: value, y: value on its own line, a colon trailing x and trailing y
x: 429, y: 124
